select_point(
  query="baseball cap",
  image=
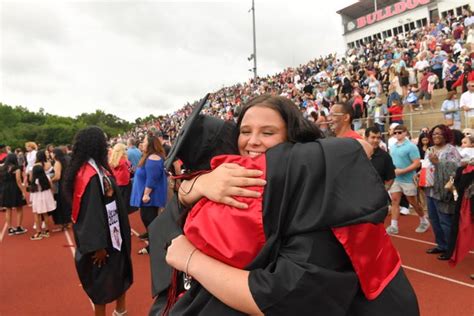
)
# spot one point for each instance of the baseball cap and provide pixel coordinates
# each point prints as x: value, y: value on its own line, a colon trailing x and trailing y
x: 393, y: 125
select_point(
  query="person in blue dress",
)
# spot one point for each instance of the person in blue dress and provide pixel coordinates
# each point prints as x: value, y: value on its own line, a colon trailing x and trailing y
x: 150, y: 182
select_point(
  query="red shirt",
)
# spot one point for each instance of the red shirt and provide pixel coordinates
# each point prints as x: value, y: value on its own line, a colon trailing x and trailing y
x: 360, y: 101
x: 122, y: 172
x: 458, y: 32
x: 459, y: 82
x: 424, y: 81
x: 352, y: 134
x: 396, y: 112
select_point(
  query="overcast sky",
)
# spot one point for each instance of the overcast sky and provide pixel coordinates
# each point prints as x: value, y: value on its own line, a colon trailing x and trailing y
x: 135, y: 58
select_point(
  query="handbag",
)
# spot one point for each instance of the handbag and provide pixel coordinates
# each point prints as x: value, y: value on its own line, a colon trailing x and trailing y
x: 426, y: 178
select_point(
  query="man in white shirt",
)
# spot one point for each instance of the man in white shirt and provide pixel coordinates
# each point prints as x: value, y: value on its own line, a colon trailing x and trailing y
x: 421, y: 65
x: 469, y: 20
x: 467, y: 103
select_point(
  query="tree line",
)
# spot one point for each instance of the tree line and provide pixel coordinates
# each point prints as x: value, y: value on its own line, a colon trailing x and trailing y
x: 19, y: 125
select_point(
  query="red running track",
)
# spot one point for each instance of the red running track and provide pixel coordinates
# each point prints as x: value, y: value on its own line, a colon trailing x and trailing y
x: 39, y: 278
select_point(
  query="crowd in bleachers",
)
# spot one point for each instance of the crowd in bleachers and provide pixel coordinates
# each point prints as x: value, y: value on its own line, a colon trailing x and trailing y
x: 404, y: 69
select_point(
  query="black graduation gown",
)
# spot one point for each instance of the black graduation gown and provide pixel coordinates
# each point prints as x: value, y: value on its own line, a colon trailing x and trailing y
x: 62, y: 213
x: 91, y: 232
x: 303, y: 269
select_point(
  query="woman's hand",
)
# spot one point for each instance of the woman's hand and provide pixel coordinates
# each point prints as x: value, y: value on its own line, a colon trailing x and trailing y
x: 145, y: 198
x: 178, y: 252
x: 100, y: 257
x: 223, y: 183
x: 433, y: 158
x: 229, y: 180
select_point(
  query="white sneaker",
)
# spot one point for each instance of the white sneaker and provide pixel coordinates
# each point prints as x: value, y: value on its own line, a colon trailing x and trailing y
x: 423, y: 227
x: 404, y: 210
x: 392, y: 230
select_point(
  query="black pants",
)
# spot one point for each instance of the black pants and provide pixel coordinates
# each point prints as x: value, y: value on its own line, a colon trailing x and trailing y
x: 439, y: 73
x: 148, y: 214
x: 449, y: 83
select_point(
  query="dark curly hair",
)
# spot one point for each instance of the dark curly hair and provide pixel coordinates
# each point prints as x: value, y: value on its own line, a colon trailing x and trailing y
x: 446, y: 131
x: 89, y: 142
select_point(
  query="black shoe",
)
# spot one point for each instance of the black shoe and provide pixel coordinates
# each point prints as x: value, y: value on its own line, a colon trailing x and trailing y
x: 443, y: 256
x: 20, y: 230
x: 435, y: 250
x: 143, y: 236
x: 11, y: 231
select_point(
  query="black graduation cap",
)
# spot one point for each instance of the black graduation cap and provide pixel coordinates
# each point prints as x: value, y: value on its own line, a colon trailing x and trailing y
x: 201, y: 138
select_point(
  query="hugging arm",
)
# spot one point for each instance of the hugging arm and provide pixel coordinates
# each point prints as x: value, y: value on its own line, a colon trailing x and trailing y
x: 220, y: 185
x: 228, y: 284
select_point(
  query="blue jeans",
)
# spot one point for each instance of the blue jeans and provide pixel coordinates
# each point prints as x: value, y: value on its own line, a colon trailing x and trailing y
x: 440, y: 222
x: 381, y: 127
x: 357, y: 124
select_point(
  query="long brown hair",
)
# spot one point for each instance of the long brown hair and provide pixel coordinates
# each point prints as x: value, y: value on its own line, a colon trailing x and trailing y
x: 154, y: 147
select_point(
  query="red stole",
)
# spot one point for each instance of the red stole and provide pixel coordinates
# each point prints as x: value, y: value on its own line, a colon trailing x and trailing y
x: 373, y: 256
x: 83, y: 176
x: 465, y: 238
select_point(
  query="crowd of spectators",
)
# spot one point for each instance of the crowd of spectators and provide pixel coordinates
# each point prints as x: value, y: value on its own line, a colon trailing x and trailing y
x: 401, y: 70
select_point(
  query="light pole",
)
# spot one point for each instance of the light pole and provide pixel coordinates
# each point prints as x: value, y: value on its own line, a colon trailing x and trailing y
x: 254, y: 54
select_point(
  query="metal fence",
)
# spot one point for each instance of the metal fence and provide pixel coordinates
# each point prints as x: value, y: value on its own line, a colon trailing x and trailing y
x: 408, y: 119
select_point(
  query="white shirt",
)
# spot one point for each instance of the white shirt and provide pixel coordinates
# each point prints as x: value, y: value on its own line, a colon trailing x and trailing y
x: 467, y: 99
x: 468, y: 21
x: 421, y: 64
x: 457, y: 48
x: 30, y: 160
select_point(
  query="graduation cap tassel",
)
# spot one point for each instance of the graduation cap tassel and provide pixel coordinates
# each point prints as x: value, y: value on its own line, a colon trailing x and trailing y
x: 172, y: 293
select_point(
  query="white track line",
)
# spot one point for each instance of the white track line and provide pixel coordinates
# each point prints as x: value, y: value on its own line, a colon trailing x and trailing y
x: 413, y: 239
x: 70, y: 243
x: 419, y: 240
x: 4, y: 230
x: 438, y: 276
x: 73, y: 251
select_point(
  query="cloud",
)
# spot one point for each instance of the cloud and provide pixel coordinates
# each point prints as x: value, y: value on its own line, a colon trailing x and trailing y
x: 135, y: 58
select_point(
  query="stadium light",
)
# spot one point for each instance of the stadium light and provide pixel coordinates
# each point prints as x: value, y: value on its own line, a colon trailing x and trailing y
x: 254, y: 55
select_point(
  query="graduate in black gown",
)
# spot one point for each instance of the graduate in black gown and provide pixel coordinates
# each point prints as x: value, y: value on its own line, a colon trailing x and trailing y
x: 62, y: 214
x: 320, y: 257
x: 101, y: 226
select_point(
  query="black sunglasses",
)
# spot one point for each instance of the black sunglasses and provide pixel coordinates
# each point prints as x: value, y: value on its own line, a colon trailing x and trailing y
x: 398, y: 132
